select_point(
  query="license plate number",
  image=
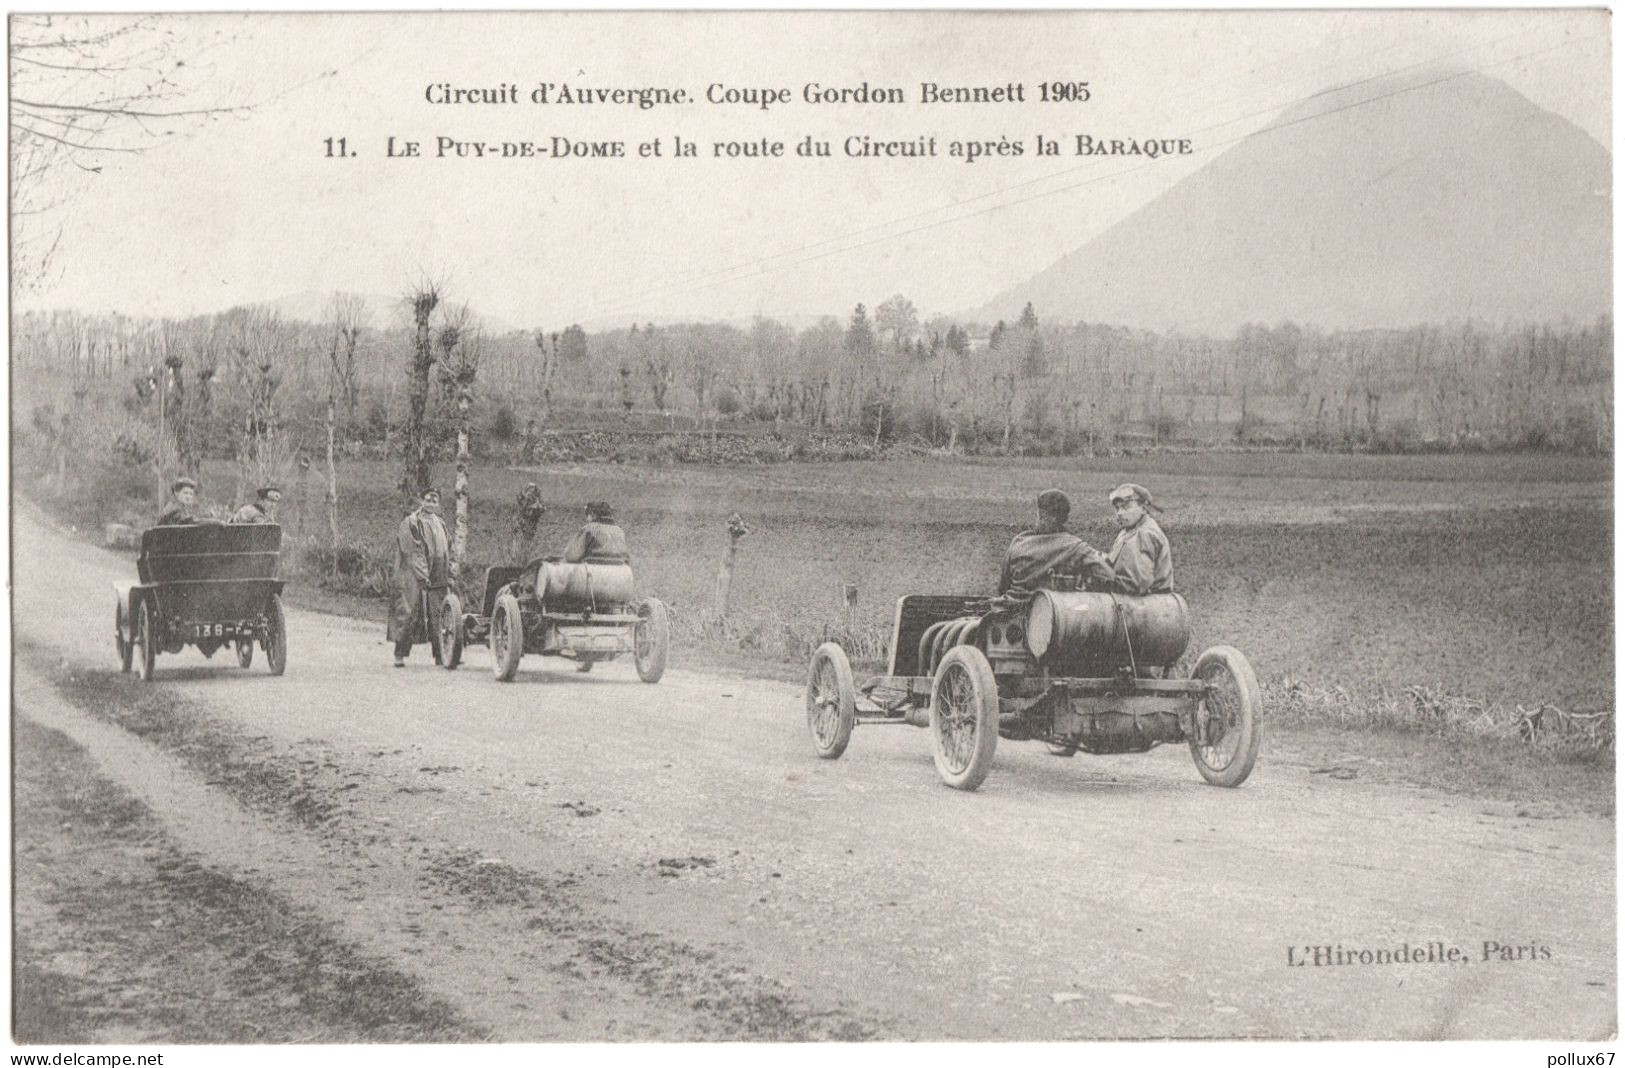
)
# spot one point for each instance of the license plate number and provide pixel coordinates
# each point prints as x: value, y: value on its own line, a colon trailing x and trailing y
x: 212, y: 630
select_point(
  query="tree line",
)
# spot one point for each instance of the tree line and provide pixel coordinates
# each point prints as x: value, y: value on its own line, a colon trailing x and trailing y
x: 885, y: 375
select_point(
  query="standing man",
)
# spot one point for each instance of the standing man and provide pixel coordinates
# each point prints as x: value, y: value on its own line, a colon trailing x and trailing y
x: 183, y: 498
x: 1141, y: 559
x: 261, y: 510
x: 599, y: 541
x: 422, y: 572
x: 1034, y: 555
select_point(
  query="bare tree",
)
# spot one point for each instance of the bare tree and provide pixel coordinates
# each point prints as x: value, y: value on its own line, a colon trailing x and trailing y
x: 899, y: 318
x: 549, y: 357
x: 461, y: 346
x: 87, y: 89
x: 422, y: 301
x: 346, y: 313
x: 255, y: 337
x: 725, y: 572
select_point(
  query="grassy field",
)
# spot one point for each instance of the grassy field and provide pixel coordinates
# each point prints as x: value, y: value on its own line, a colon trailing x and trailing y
x: 1482, y: 577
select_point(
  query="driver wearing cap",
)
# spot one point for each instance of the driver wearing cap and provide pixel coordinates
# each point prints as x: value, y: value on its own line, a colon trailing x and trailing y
x: 1140, y: 558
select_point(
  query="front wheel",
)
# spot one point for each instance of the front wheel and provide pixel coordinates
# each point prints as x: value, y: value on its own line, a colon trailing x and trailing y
x: 832, y: 700
x: 143, y: 651
x: 276, y: 637
x: 964, y: 717
x: 1230, y: 712
x: 451, y: 632
x: 507, y: 638
x: 651, y: 640
x: 245, y: 652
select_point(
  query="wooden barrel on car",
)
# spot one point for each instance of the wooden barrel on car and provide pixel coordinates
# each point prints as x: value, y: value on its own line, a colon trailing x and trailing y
x: 1095, y: 631
x: 573, y: 587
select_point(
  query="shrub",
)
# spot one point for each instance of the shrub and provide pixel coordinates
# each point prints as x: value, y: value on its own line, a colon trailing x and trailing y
x: 504, y: 425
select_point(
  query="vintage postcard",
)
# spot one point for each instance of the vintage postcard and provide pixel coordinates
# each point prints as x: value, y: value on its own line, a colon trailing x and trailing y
x: 825, y: 526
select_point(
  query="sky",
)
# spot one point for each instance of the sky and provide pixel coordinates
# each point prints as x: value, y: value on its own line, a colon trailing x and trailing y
x: 249, y: 207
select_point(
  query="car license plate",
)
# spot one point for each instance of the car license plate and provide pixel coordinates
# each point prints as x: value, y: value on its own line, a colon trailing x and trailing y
x: 212, y: 630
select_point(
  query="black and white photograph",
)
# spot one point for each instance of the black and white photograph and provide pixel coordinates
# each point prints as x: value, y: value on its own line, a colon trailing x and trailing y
x: 574, y: 530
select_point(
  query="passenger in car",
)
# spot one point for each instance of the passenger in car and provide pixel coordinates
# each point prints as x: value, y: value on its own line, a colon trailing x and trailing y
x: 183, y: 498
x: 1140, y: 558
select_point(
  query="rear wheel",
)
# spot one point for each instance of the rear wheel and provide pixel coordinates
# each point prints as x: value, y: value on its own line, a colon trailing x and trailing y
x: 507, y: 638
x: 651, y: 640
x: 245, y: 652
x: 832, y: 700
x: 964, y: 717
x: 1231, y: 711
x: 451, y: 632
x: 143, y: 652
x: 276, y: 637
x: 124, y: 643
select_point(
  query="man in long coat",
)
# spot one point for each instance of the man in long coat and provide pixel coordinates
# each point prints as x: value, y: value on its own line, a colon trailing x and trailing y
x: 422, y: 572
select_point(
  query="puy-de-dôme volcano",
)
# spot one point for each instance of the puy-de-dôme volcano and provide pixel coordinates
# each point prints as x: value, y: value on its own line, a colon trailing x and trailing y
x: 1388, y: 203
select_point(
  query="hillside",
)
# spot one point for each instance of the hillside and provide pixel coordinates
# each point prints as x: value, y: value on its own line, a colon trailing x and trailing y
x: 1382, y: 204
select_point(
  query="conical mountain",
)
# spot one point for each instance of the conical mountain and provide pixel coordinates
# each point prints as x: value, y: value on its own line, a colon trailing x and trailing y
x: 1382, y: 204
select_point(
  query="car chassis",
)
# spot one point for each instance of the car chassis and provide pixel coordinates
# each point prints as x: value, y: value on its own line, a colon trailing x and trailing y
x: 520, y: 613
x: 964, y: 667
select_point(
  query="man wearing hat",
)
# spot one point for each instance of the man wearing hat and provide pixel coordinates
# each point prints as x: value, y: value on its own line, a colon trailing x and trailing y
x: 262, y: 509
x: 600, y: 541
x: 1140, y: 558
x: 422, y: 572
x: 1034, y: 555
x: 183, y: 497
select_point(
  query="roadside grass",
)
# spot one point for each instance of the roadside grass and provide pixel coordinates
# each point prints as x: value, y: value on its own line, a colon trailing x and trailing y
x: 307, y: 791
x: 731, y: 1004
x: 122, y: 937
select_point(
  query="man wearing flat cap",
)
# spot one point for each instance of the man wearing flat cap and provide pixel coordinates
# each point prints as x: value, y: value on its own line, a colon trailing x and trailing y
x: 1140, y: 558
x: 260, y: 510
x: 182, y: 499
x: 1048, y: 549
x: 422, y: 573
x: 600, y: 540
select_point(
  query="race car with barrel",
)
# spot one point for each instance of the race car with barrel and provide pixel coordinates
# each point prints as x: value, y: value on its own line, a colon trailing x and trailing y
x: 210, y: 585
x: 586, y: 612
x: 1081, y: 670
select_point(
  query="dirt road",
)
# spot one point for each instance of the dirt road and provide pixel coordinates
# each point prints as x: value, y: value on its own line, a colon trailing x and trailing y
x: 587, y: 857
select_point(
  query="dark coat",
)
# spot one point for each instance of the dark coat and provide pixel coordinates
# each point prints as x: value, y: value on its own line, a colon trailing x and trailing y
x: 1033, y: 554
x: 599, y: 543
x: 422, y: 562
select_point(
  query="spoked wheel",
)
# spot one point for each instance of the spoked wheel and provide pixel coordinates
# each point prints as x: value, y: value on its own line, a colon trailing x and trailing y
x: 451, y: 632
x: 832, y: 700
x: 651, y: 640
x: 1232, y: 710
x: 245, y: 652
x: 276, y: 637
x: 124, y: 644
x: 507, y: 638
x: 143, y: 653
x: 964, y: 717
